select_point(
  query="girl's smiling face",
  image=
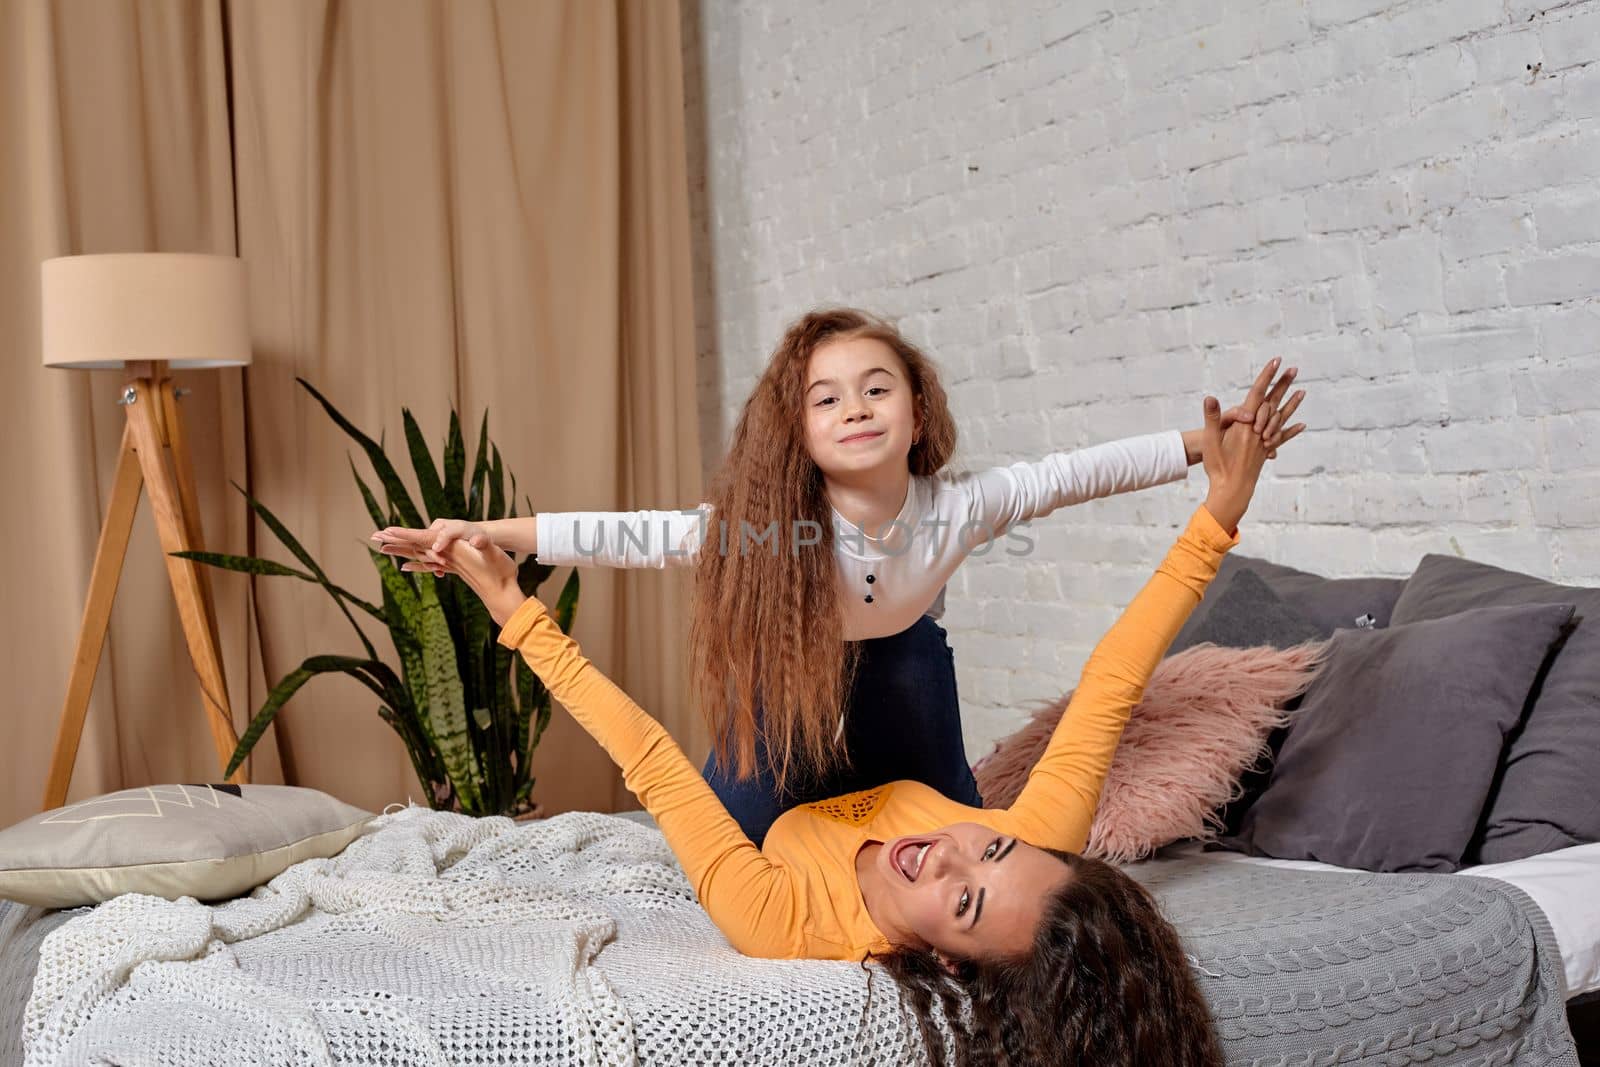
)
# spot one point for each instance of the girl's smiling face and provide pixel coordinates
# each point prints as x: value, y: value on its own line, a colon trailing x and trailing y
x: 860, y: 413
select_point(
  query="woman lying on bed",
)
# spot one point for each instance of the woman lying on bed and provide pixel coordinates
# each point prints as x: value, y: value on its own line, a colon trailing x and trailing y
x: 1064, y: 959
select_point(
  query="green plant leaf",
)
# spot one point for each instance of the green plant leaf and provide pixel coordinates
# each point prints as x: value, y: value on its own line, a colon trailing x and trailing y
x: 433, y: 495
x: 531, y: 574
x: 478, y: 649
x: 477, y: 627
x: 447, y: 713
x: 455, y: 459
x: 387, y: 476
x: 287, y: 686
x: 480, y: 473
x: 567, y: 605
x: 512, y: 714
x: 542, y: 720
x: 497, y: 486
x: 379, y: 520
x: 533, y: 702
x: 282, y: 533
x: 468, y: 710
x: 522, y: 793
x: 393, y: 687
x: 405, y: 630
x: 274, y: 569
x: 428, y: 770
x: 245, y: 564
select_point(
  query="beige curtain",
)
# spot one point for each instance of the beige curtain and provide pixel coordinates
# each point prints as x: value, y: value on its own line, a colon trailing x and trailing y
x: 440, y: 203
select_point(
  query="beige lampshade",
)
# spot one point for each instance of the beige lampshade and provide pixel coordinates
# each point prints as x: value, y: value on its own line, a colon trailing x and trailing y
x: 102, y: 312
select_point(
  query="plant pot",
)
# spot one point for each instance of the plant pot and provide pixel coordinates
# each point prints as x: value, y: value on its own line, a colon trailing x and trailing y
x: 536, y: 812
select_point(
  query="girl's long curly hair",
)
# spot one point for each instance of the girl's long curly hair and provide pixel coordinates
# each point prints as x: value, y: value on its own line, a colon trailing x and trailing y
x: 1107, y: 984
x: 767, y: 618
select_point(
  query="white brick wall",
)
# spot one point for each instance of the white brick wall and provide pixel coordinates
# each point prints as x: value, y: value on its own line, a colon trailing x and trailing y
x: 1089, y: 213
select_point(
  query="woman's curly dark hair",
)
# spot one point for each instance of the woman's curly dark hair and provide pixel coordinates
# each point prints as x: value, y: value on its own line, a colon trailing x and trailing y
x: 1107, y: 984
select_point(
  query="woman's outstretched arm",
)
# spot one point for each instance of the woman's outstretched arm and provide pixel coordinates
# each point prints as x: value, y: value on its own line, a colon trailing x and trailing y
x: 1056, y: 807
x: 752, y: 900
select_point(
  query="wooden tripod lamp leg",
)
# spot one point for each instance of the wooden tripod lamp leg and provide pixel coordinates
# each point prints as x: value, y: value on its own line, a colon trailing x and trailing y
x: 194, y: 609
x: 189, y: 502
x: 108, y: 557
x: 152, y: 417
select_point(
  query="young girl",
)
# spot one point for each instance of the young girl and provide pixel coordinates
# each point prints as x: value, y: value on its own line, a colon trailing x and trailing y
x: 823, y: 578
x: 1062, y: 959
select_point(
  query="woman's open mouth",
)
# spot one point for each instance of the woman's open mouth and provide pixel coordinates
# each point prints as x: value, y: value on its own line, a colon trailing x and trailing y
x: 908, y: 858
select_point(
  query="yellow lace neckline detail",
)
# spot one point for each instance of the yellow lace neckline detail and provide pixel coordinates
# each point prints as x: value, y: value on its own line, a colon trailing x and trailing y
x: 852, y: 809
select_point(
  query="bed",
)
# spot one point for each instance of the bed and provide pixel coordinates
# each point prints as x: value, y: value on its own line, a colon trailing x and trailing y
x: 436, y: 938
x: 1559, y: 891
x: 1565, y: 886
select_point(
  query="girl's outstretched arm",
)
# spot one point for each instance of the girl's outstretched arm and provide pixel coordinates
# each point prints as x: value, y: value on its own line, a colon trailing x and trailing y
x: 565, y: 538
x: 657, y: 539
x: 1001, y: 497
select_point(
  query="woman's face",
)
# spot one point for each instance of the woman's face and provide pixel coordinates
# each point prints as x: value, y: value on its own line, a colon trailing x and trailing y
x: 968, y: 891
x: 859, y: 410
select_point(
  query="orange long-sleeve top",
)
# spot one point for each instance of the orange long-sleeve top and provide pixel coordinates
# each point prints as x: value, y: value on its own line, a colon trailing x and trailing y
x: 797, y: 896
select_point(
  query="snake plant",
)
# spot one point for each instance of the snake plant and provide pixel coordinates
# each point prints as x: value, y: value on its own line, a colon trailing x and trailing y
x: 469, y: 710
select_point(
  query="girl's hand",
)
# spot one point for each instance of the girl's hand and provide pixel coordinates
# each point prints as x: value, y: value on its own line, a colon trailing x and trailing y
x: 1233, y: 461
x: 413, y: 544
x: 490, y: 572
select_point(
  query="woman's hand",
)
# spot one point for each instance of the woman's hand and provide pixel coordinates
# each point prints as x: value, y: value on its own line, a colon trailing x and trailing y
x: 1263, y: 398
x: 413, y: 544
x: 1233, y: 459
x: 1258, y: 409
x: 490, y: 573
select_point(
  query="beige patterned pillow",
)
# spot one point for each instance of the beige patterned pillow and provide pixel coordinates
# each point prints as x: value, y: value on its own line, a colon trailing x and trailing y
x: 210, y: 842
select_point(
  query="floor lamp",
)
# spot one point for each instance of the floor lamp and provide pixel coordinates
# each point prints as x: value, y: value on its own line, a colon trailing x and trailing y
x: 146, y: 314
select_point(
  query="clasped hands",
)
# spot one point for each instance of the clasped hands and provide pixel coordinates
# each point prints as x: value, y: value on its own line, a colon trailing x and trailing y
x: 489, y: 571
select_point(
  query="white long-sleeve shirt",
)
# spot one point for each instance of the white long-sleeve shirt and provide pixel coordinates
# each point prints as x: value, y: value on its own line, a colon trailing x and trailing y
x: 891, y: 580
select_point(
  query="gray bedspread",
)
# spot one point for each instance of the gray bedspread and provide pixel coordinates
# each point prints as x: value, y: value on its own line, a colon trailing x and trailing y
x: 1313, y: 967
x: 21, y: 930
x: 1299, y: 967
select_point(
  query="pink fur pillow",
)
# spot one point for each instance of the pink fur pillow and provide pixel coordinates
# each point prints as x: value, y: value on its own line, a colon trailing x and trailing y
x: 1204, y: 718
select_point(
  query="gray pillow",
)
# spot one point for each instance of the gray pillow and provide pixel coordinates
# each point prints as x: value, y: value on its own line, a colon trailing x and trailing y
x: 1246, y: 614
x: 1546, y: 797
x: 1391, y: 755
x: 1329, y: 603
x: 207, y: 841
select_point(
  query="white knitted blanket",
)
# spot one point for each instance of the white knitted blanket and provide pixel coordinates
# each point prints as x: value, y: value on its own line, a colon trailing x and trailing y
x: 437, y: 938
